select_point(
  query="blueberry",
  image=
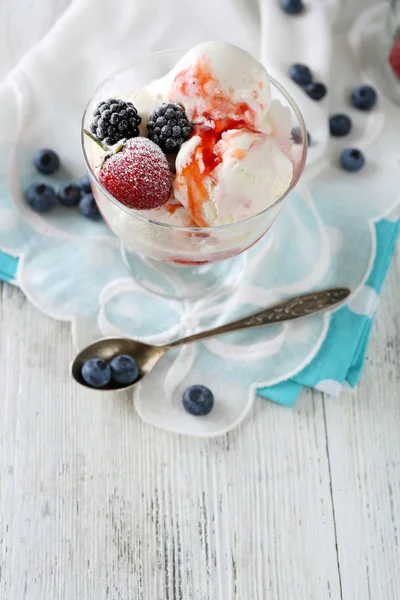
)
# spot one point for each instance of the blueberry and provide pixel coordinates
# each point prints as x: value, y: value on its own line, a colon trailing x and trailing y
x: 340, y: 125
x: 298, y: 138
x: 85, y: 185
x: 69, y: 194
x: 300, y: 74
x: 41, y: 197
x: 46, y: 161
x: 352, y: 159
x: 293, y: 7
x: 316, y: 91
x: 124, y: 369
x: 88, y: 208
x: 96, y: 372
x: 364, y: 97
x: 198, y: 400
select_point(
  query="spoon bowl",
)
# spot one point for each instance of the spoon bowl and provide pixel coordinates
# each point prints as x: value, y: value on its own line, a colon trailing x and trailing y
x: 108, y: 348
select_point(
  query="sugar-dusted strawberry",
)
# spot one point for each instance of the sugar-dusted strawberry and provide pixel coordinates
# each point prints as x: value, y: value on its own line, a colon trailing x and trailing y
x: 137, y: 175
x: 394, y: 57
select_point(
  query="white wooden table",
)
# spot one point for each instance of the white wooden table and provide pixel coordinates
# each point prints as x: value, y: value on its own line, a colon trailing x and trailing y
x: 294, y: 505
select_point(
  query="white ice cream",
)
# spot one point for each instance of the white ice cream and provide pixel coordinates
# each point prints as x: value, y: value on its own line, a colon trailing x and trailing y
x: 171, y: 213
x: 252, y: 173
x: 144, y: 100
x: 215, y: 82
x: 278, y: 125
x: 238, y: 160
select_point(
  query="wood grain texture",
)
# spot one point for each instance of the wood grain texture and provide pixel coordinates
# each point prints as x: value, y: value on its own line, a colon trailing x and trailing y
x: 96, y: 504
x: 363, y: 436
x: 299, y: 503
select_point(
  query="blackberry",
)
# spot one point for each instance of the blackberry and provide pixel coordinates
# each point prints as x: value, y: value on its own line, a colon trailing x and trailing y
x: 114, y: 120
x: 168, y: 126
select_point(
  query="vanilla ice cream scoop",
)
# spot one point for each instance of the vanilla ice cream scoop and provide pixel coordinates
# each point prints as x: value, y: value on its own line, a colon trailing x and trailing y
x: 219, y: 84
x: 170, y: 213
x: 243, y: 174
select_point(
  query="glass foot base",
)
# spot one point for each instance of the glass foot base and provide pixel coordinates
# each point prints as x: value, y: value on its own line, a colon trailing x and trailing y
x: 184, y: 281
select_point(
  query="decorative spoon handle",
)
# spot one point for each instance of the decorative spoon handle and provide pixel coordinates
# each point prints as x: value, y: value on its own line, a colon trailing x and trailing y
x: 294, y: 308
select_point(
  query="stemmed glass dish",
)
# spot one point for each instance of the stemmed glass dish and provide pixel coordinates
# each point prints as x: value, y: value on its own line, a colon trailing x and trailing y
x: 204, y: 258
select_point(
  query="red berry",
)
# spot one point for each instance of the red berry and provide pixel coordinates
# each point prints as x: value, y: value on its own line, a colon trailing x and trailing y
x: 394, y: 57
x: 138, y: 175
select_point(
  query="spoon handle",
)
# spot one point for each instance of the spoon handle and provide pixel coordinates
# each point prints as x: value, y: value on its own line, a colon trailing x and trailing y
x: 293, y: 308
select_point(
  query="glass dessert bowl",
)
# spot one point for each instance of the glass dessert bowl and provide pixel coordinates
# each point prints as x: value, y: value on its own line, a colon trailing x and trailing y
x: 166, y: 240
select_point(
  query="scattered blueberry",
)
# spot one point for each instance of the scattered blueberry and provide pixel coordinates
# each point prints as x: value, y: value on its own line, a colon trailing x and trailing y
x: 85, y: 185
x: 340, y: 125
x: 364, y: 97
x: 69, y: 194
x: 46, y: 161
x: 198, y: 400
x: 297, y: 136
x: 352, y: 159
x: 316, y: 91
x: 96, y: 372
x: 300, y: 74
x: 124, y: 369
x: 168, y: 126
x: 41, y: 197
x: 293, y: 7
x: 88, y: 208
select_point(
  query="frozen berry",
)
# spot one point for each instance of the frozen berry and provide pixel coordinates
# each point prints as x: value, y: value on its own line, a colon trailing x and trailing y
x: 315, y: 90
x: 96, y: 372
x: 394, y: 57
x: 124, y: 369
x: 352, y: 159
x: 300, y: 74
x: 138, y: 175
x: 41, y: 197
x: 168, y: 126
x: 293, y: 7
x: 364, y: 97
x: 46, y: 161
x: 198, y: 400
x: 69, y: 194
x: 85, y: 185
x: 114, y: 120
x: 88, y: 208
x: 339, y: 125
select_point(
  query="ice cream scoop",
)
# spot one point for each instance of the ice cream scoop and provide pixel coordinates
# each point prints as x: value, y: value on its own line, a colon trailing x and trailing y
x: 171, y: 213
x: 219, y: 84
x: 242, y: 174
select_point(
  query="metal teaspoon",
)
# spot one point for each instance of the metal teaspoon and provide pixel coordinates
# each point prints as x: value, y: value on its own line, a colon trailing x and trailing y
x: 147, y: 355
